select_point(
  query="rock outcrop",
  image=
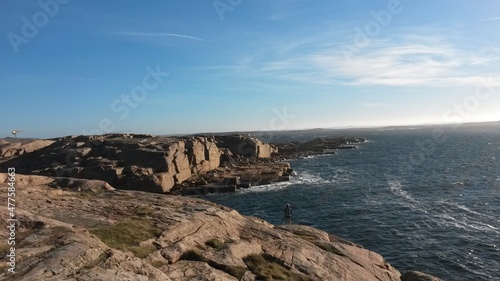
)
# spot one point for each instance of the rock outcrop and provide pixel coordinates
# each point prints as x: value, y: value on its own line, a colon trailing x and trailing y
x: 149, y: 163
x: 143, y: 162
x: 182, y: 165
x: 17, y: 147
x: 317, y: 146
x: 241, y: 174
x: 71, y: 233
x: 246, y: 146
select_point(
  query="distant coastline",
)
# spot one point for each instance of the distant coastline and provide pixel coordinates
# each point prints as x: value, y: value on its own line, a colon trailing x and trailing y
x: 264, y: 135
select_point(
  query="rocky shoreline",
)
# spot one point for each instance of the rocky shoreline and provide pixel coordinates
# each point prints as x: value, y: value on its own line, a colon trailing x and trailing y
x: 83, y: 230
x: 176, y: 165
x: 82, y: 213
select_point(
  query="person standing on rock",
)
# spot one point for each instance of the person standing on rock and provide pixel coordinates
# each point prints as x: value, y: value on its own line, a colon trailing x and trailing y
x: 288, y: 214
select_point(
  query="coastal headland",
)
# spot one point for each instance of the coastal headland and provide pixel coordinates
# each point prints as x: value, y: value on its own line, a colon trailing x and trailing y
x: 89, y: 208
x: 179, y: 165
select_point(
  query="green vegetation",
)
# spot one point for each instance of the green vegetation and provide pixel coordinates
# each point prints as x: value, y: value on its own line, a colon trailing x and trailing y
x: 143, y: 211
x: 214, y: 243
x: 193, y: 255
x: 233, y: 270
x: 4, y: 248
x: 158, y: 264
x: 122, y: 195
x: 264, y: 266
x: 53, y: 235
x: 59, y: 229
x: 127, y: 234
x: 101, y: 258
x: 267, y: 269
x: 4, y: 267
x: 142, y: 251
x: 321, y: 244
x: 305, y: 236
x: 328, y: 247
x: 196, y: 255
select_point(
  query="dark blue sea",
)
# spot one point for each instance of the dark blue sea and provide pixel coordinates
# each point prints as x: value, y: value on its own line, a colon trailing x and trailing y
x: 426, y: 198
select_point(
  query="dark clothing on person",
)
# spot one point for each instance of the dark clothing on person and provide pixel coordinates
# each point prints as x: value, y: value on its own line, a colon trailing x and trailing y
x: 288, y: 214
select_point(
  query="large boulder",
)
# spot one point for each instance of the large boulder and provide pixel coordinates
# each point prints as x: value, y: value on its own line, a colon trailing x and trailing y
x: 263, y: 150
x: 246, y: 146
x: 81, y: 184
x: 158, y: 183
x: 203, y: 154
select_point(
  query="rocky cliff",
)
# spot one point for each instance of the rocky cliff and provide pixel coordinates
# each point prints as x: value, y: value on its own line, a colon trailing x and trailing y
x: 181, y: 165
x: 144, y: 162
x: 76, y: 229
x: 154, y: 164
x: 246, y: 146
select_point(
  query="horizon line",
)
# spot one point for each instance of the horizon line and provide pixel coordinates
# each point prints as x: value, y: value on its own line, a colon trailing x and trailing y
x: 281, y: 131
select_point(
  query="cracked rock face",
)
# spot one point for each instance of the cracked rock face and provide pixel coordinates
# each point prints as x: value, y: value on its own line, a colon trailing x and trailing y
x: 140, y: 162
x: 246, y: 146
x: 64, y: 235
x: 143, y: 162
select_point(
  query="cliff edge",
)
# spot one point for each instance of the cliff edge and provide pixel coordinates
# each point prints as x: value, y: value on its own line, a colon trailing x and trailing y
x: 77, y: 229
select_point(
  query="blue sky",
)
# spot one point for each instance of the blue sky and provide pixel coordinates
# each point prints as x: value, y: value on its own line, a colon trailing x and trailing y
x: 79, y: 67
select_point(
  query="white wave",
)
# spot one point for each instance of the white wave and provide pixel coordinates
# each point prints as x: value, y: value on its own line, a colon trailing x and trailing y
x: 450, y: 217
x: 266, y: 187
x: 337, y: 175
x: 449, y: 220
x: 396, y: 188
x: 464, y: 208
x: 317, y: 156
x: 454, y: 216
x: 300, y: 178
x: 307, y: 178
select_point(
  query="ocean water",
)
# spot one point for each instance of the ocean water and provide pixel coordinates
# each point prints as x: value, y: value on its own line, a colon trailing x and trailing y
x: 426, y: 199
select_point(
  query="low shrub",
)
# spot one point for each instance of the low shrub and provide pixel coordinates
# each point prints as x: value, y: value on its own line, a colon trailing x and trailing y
x: 214, y: 243
x: 267, y: 269
x: 233, y: 270
x: 127, y: 234
x: 193, y: 255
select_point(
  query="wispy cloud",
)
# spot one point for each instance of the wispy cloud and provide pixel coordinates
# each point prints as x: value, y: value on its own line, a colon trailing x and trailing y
x: 407, y: 64
x: 158, y: 34
x: 491, y: 19
x: 411, y: 61
x: 416, y: 58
